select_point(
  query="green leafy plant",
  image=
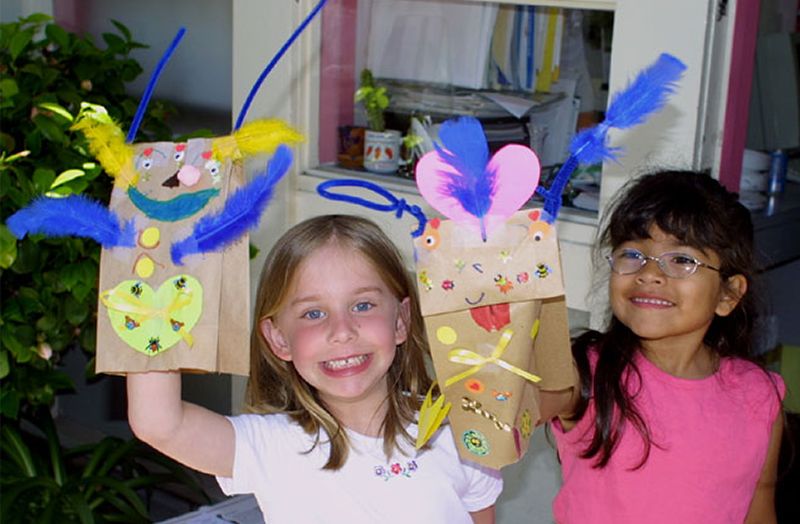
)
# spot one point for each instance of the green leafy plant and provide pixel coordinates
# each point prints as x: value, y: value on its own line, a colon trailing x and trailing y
x: 103, y: 482
x: 375, y: 100
x: 49, y: 286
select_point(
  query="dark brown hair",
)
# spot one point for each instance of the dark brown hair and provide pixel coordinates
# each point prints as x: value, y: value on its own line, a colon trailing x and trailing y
x: 276, y: 387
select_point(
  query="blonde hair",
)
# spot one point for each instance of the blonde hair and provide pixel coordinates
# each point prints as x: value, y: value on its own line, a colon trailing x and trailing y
x: 276, y: 387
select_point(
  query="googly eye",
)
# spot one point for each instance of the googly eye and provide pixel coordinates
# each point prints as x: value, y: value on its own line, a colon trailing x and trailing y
x: 212, y: 166
x: 178, y: 156
x: 538, y: 236
x: 147, y: 163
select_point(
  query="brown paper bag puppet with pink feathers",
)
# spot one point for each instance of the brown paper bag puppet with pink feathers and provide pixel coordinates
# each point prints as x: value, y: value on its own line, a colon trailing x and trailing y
x: 489, y: 276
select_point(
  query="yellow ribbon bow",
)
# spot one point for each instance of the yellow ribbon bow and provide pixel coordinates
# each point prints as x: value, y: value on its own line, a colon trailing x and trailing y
x: 465, y: 356
x: 127, y: 303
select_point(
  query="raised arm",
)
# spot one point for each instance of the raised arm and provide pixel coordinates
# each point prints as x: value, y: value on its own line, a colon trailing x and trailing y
x: 190, y: 434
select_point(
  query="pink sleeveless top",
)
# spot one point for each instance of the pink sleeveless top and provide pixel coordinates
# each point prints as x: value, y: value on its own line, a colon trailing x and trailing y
x: 709, y: 444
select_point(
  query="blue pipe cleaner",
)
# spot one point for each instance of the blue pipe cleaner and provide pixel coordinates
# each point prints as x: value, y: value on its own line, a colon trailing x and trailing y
x: 398, y: 205
x: 151, y: 85
x: 271, y: 64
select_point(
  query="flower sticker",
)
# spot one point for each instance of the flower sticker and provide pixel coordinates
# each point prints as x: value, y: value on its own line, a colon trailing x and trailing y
x: 474, y: 385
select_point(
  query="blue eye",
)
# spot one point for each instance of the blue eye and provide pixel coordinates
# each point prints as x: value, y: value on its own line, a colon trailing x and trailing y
x: 362, y: 307
x: 314, y: 314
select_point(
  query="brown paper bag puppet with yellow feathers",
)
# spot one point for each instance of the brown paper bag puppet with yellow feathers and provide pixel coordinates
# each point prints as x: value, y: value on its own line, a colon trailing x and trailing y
x: 174, y: 273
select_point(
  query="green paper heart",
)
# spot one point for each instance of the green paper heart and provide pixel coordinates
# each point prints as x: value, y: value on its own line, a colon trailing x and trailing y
x: 152, y: 322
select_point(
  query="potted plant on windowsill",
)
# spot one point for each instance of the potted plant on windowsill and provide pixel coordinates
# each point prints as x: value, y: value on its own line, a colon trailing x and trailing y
x: 381, y: 146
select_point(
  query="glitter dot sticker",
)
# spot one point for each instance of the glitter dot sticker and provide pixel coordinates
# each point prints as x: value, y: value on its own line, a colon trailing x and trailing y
x: 446, y: 335
x: 475, y: 442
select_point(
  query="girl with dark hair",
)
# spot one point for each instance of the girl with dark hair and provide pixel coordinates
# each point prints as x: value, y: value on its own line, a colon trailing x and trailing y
x: 674, y: 422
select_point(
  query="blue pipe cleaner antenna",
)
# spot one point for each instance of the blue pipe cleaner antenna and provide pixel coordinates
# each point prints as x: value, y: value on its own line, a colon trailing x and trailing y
x: 397, y: 205
x: 273, y: 62
x: 151, y: 85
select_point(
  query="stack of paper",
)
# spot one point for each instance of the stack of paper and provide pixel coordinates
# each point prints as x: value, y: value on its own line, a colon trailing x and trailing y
x: 437, y: 42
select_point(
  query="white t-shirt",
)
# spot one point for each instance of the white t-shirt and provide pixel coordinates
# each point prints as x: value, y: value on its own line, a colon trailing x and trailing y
x: 431, y: 486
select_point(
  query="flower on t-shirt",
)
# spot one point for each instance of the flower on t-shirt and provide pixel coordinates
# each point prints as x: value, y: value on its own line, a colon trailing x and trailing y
x: 395, y: 469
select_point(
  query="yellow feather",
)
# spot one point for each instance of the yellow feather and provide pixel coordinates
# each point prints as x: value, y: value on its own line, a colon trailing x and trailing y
x: 107, y: 144
x: 259, y: 136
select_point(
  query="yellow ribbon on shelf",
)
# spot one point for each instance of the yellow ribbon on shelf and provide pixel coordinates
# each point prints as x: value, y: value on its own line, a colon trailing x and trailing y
x: 477, y: 361
x: 127, y: 303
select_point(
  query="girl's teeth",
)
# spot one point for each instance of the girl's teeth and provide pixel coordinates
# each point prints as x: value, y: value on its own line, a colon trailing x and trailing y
x: 346, y: 362
x: 654, y: 301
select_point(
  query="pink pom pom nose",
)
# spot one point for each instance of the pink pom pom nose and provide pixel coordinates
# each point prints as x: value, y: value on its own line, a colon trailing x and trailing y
x: 189, y: 175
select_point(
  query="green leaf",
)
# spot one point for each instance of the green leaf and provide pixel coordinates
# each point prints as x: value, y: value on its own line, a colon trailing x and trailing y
x: 19, y: 42
x: 43, y: 179
x: 18, y: 450
x: 37, y: 18
x: 57, y: 110
x: 49, y: 129
x: 74, y: 311
x: 4, y: 367
x: 81, y: 507
x: 58, y: 35
x: 114, y: 42
x: 119, y: 488
x: 8, y: 87
x: 9, y: 403
x: 122, y: 29
x: 8, y: 247
x: 66, y: 176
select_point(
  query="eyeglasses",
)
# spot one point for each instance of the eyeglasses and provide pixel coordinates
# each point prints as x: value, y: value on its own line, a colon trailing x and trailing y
x: 674, y: 265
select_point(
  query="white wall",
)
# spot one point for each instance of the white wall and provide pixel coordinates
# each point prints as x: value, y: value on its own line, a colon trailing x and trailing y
x: 199, y: 72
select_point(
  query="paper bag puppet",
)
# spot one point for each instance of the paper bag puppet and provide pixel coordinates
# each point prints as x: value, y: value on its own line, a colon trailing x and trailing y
x: 490, y: 281
x: 492, y: 294
x: 174, y: 274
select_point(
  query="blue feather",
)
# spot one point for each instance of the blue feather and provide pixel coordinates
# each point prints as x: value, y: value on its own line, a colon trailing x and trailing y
x: 242, y: 212
x: 75, y: 216
x: 466, y: 150
x: 645, y: 95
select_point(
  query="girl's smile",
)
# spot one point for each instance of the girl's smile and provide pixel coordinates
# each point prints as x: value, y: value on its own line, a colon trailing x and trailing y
x: 346, y: 366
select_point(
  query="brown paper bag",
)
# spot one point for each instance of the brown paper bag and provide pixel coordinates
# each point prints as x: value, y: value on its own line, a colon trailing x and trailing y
x: 496, y: 319
x: 153, y: 314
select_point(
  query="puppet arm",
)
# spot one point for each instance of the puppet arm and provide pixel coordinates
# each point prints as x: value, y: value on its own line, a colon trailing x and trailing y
x: 242, y: 212
x: 762, y: 507
x: 75, y: 216
x: 194, y: 436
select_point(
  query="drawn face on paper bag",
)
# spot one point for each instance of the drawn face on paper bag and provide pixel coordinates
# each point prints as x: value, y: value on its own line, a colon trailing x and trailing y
x: 457, y: 270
